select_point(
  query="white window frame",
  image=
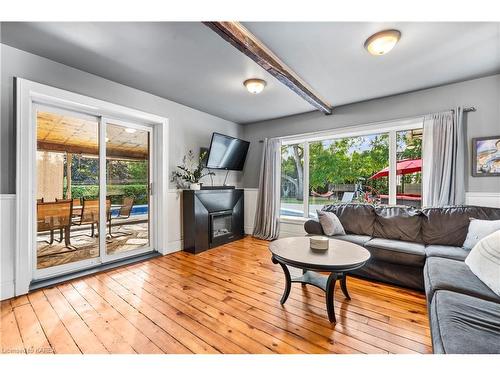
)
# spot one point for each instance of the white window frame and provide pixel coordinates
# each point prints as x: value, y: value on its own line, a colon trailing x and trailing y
x: 29, y: 94
x: 386, y: 127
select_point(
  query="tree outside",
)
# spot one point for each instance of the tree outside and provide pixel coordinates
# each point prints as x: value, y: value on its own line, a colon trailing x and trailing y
x: 124, y: 177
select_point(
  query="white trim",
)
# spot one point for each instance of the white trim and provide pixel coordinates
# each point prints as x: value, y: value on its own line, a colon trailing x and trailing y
x: 7, y: 290
x: 392, y: 167
x: 305, y: 182
x: 7, y: 245
x: 486, y: 199
x: 27, y: 93
x: 354, y: 131
x: 160, y: 186
x: 24, y: 188
x: 103, y: 182
x: 175, y: 246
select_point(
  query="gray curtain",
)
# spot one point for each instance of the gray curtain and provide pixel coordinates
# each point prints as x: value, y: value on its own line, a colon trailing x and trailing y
x: 443, y: 155
x: 267, y: 215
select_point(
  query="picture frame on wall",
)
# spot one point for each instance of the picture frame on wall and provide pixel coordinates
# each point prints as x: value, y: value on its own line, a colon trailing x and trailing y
x: 486, y: 156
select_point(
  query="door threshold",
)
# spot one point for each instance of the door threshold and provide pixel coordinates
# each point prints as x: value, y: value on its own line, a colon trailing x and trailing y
x: 54, y: 280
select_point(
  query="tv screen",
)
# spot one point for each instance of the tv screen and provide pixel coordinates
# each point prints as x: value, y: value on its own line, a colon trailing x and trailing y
x: 227, y: 152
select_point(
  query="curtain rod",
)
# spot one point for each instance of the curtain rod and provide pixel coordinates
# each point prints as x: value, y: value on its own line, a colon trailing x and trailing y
x: 466, y: 109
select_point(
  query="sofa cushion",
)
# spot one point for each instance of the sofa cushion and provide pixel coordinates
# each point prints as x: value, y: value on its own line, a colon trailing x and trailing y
x: 398, y: 223
x: 397, y: 252
x: 462, y: 324
x: 330, y: 223
x: 443, y: 251
x: 312, y: 226
x: 397, y: 274
x: 358, y: 239
x: 455, y: 276
x: 484, y: 261
x: 448, y: 225
x: 478, y: 229
x: 355, y: 218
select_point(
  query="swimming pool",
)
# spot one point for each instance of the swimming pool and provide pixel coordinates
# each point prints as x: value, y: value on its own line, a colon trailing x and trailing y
x: 137, y: 209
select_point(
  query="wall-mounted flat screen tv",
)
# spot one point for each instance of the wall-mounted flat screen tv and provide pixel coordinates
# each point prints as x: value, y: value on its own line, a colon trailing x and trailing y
x: 227, y: 152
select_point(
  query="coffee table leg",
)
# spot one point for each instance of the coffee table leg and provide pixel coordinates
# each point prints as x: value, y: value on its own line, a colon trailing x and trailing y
x: 330, y: 296
x: 288, y: 281
x: 303, y: 273
x: 343, y: 285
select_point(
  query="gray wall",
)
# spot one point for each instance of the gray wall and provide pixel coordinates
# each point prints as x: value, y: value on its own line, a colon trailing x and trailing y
x: 189, y: 128
x: 482, y: 93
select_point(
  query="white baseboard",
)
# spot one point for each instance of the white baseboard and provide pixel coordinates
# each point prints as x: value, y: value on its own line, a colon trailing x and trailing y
x: 174, y: 246
x: 7, y: 290
x: 250, y: 196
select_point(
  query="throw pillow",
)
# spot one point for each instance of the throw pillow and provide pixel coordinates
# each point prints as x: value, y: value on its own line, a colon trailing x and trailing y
x: 479, y: 229
x: 484, y: 261
x: 330, y: 223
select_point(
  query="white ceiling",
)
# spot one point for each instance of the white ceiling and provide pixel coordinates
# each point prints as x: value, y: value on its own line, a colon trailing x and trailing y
x: 190, y: 64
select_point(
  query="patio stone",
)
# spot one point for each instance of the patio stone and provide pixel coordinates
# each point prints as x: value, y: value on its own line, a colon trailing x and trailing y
x: 137, y: 241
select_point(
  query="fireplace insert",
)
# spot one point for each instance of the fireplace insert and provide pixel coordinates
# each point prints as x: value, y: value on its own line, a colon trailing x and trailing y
x: 221, y: 227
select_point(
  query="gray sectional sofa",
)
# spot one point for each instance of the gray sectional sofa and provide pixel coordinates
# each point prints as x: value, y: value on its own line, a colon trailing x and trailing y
x: 422, y: 249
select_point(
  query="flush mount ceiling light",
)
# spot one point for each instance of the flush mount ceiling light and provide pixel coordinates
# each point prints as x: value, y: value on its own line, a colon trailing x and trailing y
x: 382, y: 42
x: 255, y: 85
x: 130, y: 130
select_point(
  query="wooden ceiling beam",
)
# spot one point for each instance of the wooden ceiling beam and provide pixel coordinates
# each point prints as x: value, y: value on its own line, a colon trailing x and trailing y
x: 89, y: 150
x: 241, y: 38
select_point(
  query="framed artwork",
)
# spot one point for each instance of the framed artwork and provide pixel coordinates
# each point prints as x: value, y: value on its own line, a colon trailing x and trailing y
x: 486, y: 156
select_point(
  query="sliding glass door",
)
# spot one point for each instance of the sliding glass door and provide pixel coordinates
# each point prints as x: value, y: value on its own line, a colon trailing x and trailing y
x: 93, y: 197
x: 128, y: 188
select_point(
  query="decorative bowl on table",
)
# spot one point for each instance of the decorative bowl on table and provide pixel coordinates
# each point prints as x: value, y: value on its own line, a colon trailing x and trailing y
x: 318, y: 243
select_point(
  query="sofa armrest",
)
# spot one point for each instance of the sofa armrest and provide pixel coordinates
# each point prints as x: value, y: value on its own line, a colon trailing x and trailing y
x: 313, y: 227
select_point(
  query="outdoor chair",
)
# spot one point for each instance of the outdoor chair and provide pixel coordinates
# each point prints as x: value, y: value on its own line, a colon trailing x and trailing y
x: 123, y: 213
x: 55, y: 215
x: 89, y: 214
x: 347, y: 197
x: 77, y: 202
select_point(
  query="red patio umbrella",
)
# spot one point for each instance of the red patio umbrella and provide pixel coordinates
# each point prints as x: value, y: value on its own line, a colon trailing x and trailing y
x: 402, y: 167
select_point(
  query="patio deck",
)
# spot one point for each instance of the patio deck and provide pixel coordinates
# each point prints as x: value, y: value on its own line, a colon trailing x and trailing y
x: 87, y: 247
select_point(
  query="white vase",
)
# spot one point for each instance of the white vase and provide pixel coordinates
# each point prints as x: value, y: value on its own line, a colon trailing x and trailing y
x: 196, y: 186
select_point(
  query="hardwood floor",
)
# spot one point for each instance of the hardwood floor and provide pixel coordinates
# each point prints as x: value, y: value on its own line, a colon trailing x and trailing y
x: 225, y: 300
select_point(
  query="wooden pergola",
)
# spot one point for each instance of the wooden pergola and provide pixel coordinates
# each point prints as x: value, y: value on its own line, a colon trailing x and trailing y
x: 70, y: 135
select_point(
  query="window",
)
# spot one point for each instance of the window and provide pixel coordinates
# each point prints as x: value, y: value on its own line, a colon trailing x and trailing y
x: 292, y: 180
x: 323, y: 170
x: 344, y: 170
x: 409, y: 167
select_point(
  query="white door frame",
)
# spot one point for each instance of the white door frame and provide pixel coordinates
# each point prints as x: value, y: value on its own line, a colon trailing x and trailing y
x: 29, y: 93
